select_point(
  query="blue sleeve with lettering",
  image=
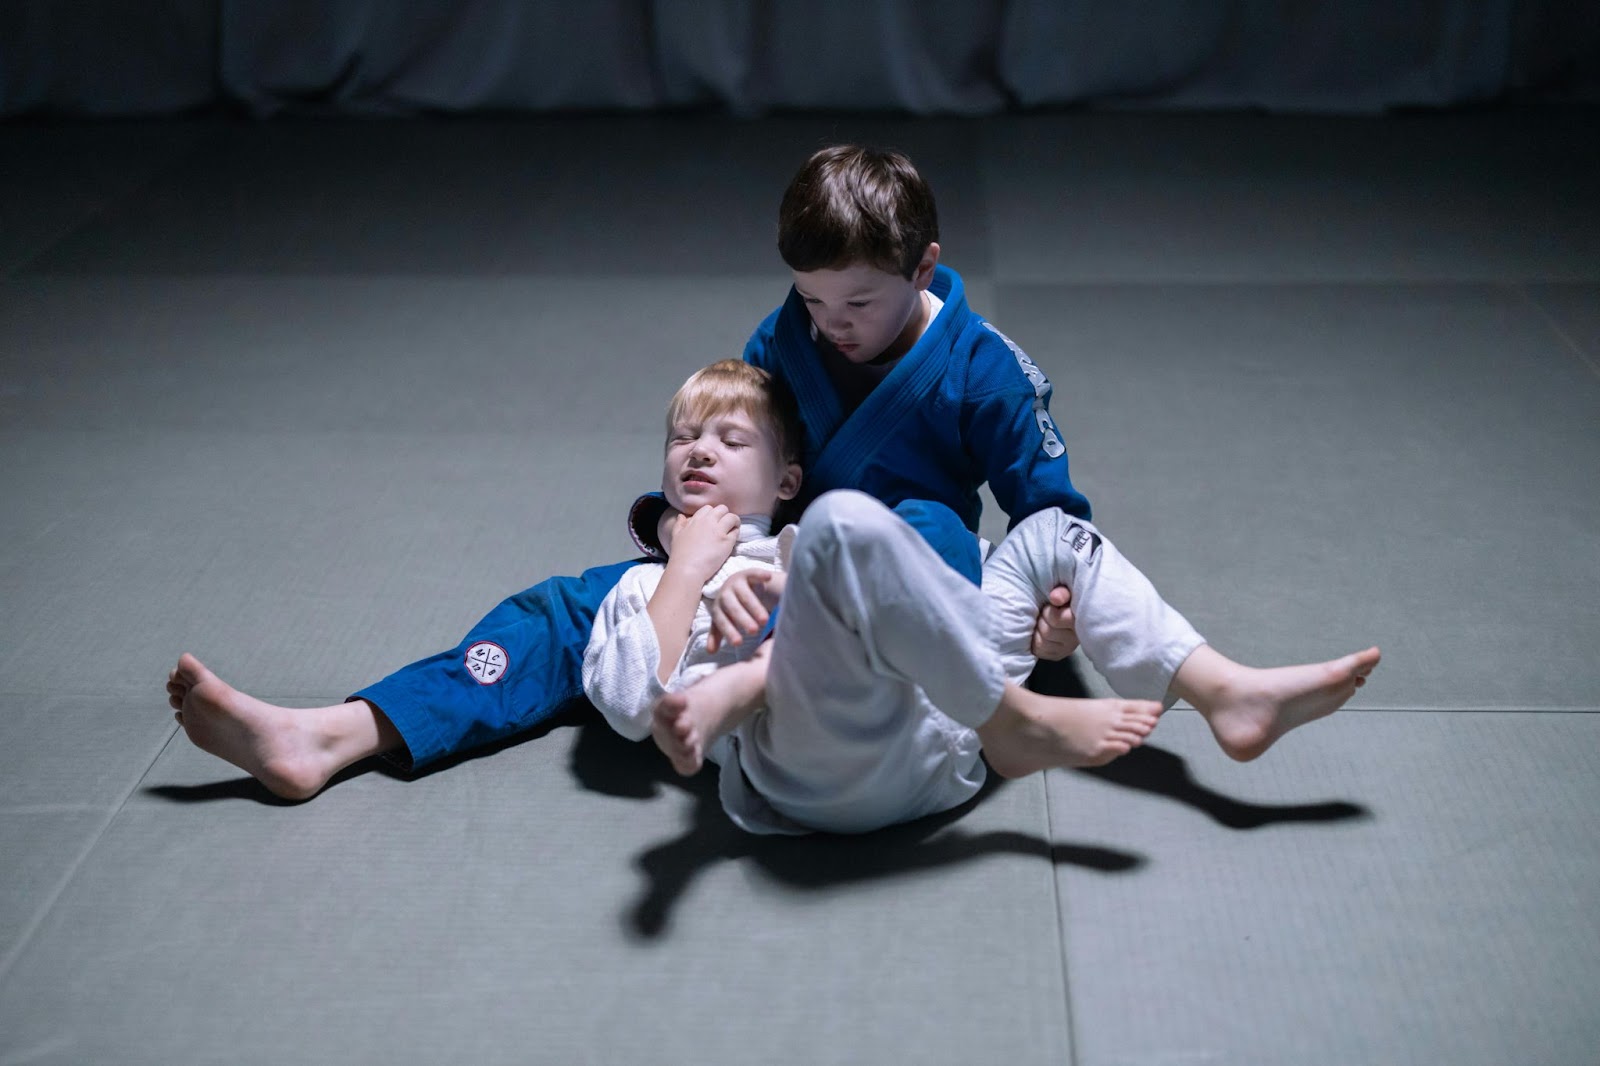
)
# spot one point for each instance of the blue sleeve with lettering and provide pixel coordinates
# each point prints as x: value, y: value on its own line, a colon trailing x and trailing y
x: 1009, y: 433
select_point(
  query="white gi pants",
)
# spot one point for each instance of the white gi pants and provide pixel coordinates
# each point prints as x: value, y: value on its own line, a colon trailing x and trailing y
x: 1127, y: 631
x: 882, y: 662
x: 885, y: 660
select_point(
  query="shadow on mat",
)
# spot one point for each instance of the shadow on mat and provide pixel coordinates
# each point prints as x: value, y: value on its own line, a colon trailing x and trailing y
x: 1161, y: 772
x: 604, y: 762
x: 1153, y: 769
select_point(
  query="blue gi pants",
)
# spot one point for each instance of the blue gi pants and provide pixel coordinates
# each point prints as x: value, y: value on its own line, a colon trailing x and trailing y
x: 515, y: 669
x: 524, y: 661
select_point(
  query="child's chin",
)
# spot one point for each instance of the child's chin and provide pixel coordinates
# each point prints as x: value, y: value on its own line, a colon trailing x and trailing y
x: 692, y: 500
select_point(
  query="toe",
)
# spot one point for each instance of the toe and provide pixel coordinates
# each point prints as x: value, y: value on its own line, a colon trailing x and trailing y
x: 190, y: 669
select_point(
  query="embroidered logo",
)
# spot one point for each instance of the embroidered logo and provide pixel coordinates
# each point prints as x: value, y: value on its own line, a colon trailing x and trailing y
x: 1041, y: 392
x: 1082, y: 541
x: 487, y: 661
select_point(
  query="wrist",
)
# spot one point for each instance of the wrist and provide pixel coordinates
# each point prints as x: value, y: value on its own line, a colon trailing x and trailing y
x: 688, y: 570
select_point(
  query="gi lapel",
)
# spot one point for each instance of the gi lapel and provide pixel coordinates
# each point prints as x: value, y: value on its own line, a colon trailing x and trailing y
x: 845, y: 455
x: 801, y: 368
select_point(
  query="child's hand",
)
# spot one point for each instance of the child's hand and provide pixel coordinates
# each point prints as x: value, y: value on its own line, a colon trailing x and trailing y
x: 743, y: 606
x: 702, y: 542
x: 1053, y: 634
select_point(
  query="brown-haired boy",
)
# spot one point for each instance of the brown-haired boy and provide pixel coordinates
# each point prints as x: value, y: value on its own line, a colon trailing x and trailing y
x: 522, y: 662
x: 908, y: 395
x: 905, y: 394
x: 891, y: 677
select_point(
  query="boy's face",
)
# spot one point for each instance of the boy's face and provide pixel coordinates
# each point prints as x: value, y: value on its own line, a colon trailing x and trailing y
x: 726, y: 459
x: 866, y: 313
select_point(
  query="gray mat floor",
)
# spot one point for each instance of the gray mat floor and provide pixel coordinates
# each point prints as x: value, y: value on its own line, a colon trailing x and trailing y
x: 307, y: 399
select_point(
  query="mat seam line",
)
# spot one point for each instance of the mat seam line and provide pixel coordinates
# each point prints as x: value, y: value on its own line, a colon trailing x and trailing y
x: 37, y: 921
x: 1557, y: 328
x: 23, y: 271
x: 1061, y: 923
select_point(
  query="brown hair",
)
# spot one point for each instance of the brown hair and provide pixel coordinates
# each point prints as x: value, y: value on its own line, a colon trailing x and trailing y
x: 851, y: 205
x: 734, y: 385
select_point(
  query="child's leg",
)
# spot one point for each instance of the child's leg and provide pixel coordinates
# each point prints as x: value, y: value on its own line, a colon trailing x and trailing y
x: 516, y: 668
x: 1124, y: 627
x: 1144, y: 647
x: 293, y: 751
x: 1248, y: 709
x: 874, y: 627
x: 688, y: 721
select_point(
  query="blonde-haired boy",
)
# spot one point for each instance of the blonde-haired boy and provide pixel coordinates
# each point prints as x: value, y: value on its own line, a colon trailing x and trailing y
x: 930, y: 687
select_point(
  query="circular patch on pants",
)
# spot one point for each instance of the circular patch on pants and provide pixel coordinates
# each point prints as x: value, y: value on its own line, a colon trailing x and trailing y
x: 486, y: 662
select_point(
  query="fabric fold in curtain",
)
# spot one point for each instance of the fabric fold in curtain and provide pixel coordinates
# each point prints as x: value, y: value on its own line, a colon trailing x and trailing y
x: 948, y: 57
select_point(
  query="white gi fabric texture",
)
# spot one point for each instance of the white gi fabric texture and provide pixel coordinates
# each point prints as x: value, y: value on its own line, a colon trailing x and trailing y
x: 624, y: 656
x: 884, y: 660
x: 882, y: 663
x: 1126, y: 629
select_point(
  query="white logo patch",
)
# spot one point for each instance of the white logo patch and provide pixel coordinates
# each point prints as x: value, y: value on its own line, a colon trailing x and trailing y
x: 1041, y: 392
x: 1081, y: 541
x: 486, y: 662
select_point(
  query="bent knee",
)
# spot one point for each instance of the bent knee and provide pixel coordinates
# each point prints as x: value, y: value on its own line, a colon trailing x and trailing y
x: 840, y: 524
x: 845, y: 516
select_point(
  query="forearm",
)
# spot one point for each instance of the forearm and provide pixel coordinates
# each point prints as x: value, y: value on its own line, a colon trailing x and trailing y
x: 671, y: 610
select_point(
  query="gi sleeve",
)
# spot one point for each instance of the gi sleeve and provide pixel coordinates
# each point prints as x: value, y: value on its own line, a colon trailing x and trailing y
x: 620, y: 664
x: 1009, y: 434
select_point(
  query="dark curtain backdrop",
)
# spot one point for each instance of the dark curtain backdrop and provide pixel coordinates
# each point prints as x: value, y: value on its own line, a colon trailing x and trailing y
x: 962, y: 57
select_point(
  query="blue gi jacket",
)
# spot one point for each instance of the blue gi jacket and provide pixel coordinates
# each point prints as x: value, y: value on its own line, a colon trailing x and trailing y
x: 965, y: 405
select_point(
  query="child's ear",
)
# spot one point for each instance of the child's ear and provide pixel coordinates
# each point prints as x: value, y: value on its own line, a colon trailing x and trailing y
x: 789, y: 484
x: 924, y: 273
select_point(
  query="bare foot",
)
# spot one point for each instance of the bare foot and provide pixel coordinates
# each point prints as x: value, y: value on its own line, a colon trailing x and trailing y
x: 685, y: 723
x: 279, y: 746
x: 1030, y: 732
x: 1249, y: 709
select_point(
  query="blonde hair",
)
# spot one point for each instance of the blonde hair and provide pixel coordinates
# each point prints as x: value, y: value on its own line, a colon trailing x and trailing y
x: 734, y: 385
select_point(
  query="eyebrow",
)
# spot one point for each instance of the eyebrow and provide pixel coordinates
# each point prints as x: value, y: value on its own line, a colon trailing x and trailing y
x: 853, y: 295
x: 725, y: 420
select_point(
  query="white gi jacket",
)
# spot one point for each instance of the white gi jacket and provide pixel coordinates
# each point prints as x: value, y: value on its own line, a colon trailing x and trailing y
x: 623, y: 660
